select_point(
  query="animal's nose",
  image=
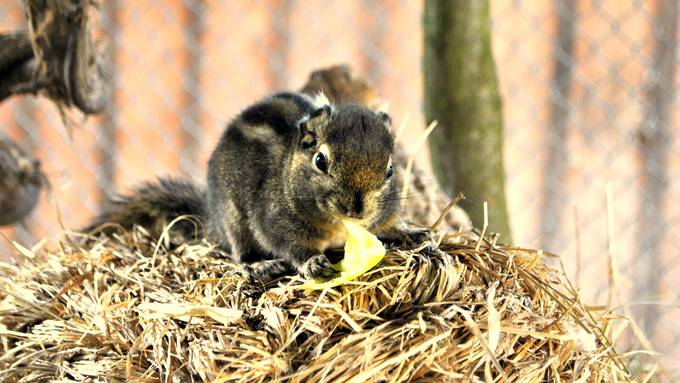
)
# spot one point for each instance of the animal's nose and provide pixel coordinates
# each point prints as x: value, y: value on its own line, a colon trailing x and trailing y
x: 355, y: 207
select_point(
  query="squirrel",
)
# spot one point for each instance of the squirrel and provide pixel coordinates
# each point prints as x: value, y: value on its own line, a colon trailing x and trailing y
x: 284, y: 174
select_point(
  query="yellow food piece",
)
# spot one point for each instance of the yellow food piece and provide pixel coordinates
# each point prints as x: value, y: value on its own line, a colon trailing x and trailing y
x: 363, y: 250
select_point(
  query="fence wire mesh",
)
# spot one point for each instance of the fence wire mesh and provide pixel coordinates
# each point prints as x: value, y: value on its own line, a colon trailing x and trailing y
x: 589, y: 92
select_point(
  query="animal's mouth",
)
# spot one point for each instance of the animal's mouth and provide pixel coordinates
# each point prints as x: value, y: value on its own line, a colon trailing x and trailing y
x: 364, y: 222
x: 337, y: 215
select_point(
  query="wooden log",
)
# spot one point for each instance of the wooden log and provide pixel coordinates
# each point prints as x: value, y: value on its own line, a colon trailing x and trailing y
x: 56, y: 56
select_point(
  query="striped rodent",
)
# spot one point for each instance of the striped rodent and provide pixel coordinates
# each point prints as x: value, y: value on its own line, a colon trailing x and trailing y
x: 284, y: 173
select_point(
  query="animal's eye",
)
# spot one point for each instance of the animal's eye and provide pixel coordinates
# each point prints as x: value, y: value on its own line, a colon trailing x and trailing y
x: 390, y: 171
x: 320, y: 162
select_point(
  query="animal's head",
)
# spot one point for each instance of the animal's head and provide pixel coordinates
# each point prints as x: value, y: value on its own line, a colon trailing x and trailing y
x: 344, y: 162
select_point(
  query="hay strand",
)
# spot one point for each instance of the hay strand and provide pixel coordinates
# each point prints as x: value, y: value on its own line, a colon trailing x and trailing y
x: 106, y: 309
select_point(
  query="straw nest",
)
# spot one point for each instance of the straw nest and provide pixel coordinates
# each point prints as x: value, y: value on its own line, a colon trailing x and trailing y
x: 130, y: 308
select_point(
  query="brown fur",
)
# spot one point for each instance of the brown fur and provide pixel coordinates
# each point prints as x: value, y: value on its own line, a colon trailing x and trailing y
x: 266, y: 200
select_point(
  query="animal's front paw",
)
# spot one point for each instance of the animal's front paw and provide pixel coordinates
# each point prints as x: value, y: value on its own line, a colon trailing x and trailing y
x: 319, y: 267
x: 408, y: 237
x: 416, y: 237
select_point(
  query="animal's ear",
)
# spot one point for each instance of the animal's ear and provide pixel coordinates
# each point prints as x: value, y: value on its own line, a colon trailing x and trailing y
x: 312, y: 125
x: 308, y: 138
x: 319, y: 117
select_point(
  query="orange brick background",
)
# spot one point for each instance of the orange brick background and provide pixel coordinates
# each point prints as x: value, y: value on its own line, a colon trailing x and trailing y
x: 183, y: 68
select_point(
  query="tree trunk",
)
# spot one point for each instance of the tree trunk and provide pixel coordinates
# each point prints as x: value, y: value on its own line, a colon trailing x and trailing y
x: 461, y: 92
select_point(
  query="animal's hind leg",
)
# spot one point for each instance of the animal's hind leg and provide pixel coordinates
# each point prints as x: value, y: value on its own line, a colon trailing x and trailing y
x: 233, y: 234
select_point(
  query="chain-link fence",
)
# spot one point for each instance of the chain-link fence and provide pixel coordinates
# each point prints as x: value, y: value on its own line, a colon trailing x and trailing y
x: 589, y: 100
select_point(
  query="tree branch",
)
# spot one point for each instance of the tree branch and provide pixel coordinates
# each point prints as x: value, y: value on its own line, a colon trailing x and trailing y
x: 57, y: 56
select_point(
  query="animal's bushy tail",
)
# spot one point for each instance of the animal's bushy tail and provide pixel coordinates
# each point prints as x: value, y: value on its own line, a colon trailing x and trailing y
x: 154, y: 205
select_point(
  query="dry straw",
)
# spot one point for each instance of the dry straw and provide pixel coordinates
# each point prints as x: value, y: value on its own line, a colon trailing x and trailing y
x: 127, y: 308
